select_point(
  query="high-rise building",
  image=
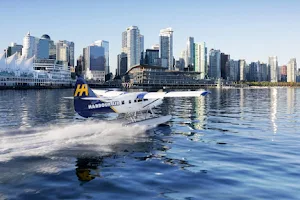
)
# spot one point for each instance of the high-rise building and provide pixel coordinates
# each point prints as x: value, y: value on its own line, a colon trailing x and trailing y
x: 283, y: 70
x: 65, y: 52
x: 283, y: 73
x: 180, y: 64
x: 224, y: 70
x: 33, y: 46
x: 142, y: 49
x: 155, y: 47
x: 132, y: 42
x: 183, y: 58
x: 233, y: 70
x: 79, y: 65
x: 214, y: 70
x: 152, y: 57
x: 292, y: 70
x: 253, y: 71
x: 62, y: 53
x: 242, y: 70
x: 200, y: 60
x: 264, y: 71
x: 259, y: 71
x: 190, y: 53
x: 14, y: 48
x: 124, y: 41
x: 166, y: 48
x: 122, y: 64
x: 298, y: 76
x: 29, y: 46
x: 273, y: 68
x: 52, y: 46
x: 105, y: 45
x: 94, y: 62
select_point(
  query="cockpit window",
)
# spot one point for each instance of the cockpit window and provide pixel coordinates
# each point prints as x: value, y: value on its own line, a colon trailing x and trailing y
x: 123, y: 102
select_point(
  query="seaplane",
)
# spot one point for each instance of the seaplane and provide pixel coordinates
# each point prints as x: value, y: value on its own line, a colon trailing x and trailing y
x: 136, y: 108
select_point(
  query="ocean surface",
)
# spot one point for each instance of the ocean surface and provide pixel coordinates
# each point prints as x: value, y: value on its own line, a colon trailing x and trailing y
x: 232, y: 144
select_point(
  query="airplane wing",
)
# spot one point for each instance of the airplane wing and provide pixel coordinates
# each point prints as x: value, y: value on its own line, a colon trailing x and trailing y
x: 160, y: 95
x: 107, y: 94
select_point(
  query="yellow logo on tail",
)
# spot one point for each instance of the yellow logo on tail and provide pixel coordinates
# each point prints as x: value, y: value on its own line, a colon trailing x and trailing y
x: 81, y: 89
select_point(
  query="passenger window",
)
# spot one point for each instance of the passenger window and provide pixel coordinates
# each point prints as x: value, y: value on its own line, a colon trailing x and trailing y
x: 145, y: 99
x: 135, y: 101
x: 129, y: 101
x: 139, y: 100
x: 123, y: 102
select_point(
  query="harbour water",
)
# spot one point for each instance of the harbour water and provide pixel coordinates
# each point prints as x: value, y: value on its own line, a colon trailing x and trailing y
x: 232, y: 144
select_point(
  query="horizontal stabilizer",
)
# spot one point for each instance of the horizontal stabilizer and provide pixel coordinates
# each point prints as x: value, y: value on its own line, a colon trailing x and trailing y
x: 71, y: 98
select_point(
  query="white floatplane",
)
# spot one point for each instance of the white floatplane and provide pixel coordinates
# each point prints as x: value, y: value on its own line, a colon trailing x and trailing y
x: 135, y: 106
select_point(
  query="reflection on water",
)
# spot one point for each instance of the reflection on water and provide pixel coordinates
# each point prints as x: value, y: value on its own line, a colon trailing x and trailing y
x: 290, y: 100
x: 223, y: 142
x: 200, y: 114
x: 87, y: 168
x: 274, y: 98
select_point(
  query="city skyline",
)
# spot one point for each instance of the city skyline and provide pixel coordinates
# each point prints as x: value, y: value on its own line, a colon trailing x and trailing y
x: 252, y: 31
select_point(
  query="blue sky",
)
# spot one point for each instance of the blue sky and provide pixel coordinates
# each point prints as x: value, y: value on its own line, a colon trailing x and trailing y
x: 253, y: 29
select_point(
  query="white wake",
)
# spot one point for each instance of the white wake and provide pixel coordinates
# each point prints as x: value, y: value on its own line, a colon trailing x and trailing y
x: 89, y: 135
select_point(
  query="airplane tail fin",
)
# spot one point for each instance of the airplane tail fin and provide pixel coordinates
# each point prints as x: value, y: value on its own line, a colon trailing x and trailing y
x: 82, y: 90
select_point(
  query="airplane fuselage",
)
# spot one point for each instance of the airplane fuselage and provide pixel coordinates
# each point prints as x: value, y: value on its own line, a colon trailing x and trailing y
x: 126, y: 103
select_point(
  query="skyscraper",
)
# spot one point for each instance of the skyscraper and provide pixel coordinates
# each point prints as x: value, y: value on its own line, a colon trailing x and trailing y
x: 155, y: 46
x: 233, y: 70
x: 29, y: 46
x: 14, y: 48
x: 200, y: 59
x: 142, y: 49
x: 253, y: 71
x: 122, y: 64
x: 273, y: 68
x: 62, y: 53
x: 283, y: 73
x: 183, y: 58
x: 166, y: 48
x: 33, y: 46
x: 132, y: 44
x: 79, y: 66
x: 52, y: 46
x: 197, y: 59
x: 94, y: 62
x: 105, y: 45
x: 242, y: 68
x: 292, y: 70
x: 152, y: 57
x: 264, y: 71
x: 214, y: 70
x: 190, y: 53
x: 224, y: 71
x: 65, y: 52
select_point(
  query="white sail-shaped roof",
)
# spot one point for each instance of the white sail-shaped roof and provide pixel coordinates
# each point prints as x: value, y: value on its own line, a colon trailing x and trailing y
x: 20, y: 63
x: 11, y: 63
x: 2, y: 56
x: 28, y: 65
x: 2, y: 62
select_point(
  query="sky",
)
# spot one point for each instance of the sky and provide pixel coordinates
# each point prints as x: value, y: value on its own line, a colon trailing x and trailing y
x: 245, y: 29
